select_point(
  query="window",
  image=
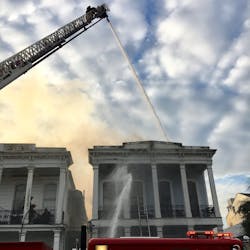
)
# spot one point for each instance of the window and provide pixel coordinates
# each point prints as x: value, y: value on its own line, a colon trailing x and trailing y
x: 18, y: 203
x: 193, y: 196
x: 165, y: 199
x: 136, y: 199
x: 49, y: 198
x: 109, y: 196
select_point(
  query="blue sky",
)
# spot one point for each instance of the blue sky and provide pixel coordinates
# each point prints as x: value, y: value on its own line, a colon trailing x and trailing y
x: 193, y: 58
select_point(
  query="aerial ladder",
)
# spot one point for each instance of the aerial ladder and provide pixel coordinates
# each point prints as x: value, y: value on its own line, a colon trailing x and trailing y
x: 20, y: 63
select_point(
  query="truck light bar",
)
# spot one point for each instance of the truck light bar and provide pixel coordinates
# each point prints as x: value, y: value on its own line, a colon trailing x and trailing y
x: 196, y: 234
x: 224, y: 235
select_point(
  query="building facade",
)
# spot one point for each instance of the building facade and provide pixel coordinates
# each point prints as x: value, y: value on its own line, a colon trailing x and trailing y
x: 168, y: 193
x: 38, y: 198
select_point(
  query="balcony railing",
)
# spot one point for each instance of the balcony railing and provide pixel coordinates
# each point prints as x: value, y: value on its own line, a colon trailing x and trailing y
x: 172, y: 211
x: 168, y: 211
x: 175, y: 211
x: 207, y: 211
x: 38, y: 216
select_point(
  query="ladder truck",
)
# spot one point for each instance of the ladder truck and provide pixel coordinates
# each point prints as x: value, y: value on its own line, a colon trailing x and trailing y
x: 20, y: 63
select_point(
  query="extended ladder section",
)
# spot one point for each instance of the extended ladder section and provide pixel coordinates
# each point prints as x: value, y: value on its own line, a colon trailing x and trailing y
x: 143, y: 216
x: 18, y: 64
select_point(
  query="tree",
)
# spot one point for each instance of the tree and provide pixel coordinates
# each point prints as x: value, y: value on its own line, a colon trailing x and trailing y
x: 244, y: 209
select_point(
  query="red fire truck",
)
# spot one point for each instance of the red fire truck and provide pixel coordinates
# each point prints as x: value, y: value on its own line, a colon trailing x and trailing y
x: 23, y: 246
x: 196, y: 241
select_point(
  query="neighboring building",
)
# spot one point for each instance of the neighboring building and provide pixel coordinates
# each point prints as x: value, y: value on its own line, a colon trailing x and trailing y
x: 38, y: 198
x: 168, y: 194
x: 234, y: 218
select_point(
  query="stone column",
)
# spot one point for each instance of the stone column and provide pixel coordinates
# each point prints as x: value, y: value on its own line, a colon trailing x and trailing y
x: 22, y: 236
x: 156, y: 191
x: 1, y: 173
x: 56, y: 244
x: 185, y: 191
x: 213, y: 190
x: 159, y: 232
x: 95, y: 198
x: 126, y: 206
x: 60, y: 196
x: 28, y: 195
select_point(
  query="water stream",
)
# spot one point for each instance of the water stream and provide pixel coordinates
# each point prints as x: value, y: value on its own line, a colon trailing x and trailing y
x: 120, y: 202
x: 139, y: 84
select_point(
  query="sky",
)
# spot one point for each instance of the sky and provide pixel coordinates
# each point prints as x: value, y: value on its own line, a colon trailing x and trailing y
x: 193, y: 59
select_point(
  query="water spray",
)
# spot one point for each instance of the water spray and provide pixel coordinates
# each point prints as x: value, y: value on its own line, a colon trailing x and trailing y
x: 139, y: 84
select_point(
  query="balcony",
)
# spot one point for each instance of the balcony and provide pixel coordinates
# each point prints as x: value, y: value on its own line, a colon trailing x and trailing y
x: 173, y: 211
x: 38, y: 216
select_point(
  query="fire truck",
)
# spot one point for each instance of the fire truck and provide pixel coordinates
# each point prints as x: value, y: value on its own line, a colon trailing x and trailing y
x: 23, y: 246
x: 195, y: 240
x: 18, y: 64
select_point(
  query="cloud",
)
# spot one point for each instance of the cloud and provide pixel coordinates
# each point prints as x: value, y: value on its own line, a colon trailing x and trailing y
x: 33, y: 111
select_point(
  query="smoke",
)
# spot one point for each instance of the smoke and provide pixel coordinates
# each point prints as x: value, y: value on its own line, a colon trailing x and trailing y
x: 60, y: 115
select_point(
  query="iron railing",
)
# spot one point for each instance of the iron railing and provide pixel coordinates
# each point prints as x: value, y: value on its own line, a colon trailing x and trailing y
x: 167, y: 211
x: 38, y: 216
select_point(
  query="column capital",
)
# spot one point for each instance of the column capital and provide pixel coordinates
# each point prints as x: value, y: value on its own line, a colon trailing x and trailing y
x: 209, y: 166
x: 182, y: 166
x: 57, y: 232
x: 63, y: 170
x: 30, y: 168
x: 154, y: 166
x: 95, y: 167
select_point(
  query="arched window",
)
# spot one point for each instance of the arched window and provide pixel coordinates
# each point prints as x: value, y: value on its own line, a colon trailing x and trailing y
x: 136, y: 199
x: 18, y: 203
x: 49, y: 196
x: 109, y: 196
x: 193, y: 197
x: 165, y: 199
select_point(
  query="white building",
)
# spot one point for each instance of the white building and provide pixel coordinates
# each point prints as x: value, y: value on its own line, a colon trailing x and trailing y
x: 38, y: 198
x: 168, y: 194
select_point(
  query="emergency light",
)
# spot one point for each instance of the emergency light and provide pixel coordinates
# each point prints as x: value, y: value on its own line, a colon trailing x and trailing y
x: 202, y: 234
x: 101, y: 247
x: 224, y: 235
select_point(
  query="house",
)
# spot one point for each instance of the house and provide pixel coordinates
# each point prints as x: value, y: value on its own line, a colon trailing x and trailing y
x: 152, y: 188
x: 38, y: 197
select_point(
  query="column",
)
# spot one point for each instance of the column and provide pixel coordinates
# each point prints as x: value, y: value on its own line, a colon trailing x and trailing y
x: 156, y: 191
x: 213, y: 190
x: 60, y: 196
x: 127, y: 232
x: 185, y: 190
x: 1, y: 173
x: 95, y: 232
x: 126, y: 206
x: 159, y: 232
x: 95, y: 193
x: 56, y: 244
x: 22, y: 236
x: 28, y: 195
